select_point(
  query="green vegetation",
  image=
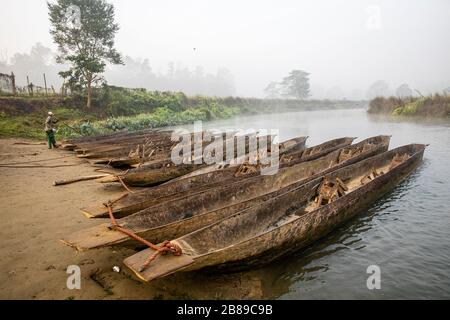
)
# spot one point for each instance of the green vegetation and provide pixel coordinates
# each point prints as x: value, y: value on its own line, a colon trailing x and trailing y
x: 73, y: 123
x: 409, y: 108
x: 437, y: 106
x: 32, y: 125
x: 161, y: 117
x: 115, y: 108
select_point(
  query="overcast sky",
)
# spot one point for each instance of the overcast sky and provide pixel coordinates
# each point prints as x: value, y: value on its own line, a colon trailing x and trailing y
x: 347, y: 43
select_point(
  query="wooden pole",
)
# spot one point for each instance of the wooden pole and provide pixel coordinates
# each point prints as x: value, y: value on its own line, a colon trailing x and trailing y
x: 28, y: 84
x: 85, y: 178
x: 13, y: 83
x: 45, y: 85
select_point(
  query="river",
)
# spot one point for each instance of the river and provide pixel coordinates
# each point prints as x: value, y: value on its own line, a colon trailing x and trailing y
x: 406, y: 233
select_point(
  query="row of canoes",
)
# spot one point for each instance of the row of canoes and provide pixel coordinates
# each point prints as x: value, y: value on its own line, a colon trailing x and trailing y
x: 209, y: 180
x: 151, y: 149
x: 227, y: 217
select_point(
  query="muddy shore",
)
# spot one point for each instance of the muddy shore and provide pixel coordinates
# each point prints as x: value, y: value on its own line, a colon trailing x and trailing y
x: 35, y: 215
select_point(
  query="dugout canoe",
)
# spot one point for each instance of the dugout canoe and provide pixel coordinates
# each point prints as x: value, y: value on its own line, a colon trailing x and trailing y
x: 77, y: 143
x: 139, y: 158
x: 195, y: 182
x: 140, y: 146
x: 156, y: 172
x: 171, y: 219
x: 111, y: 137
x: 284, y: 224
x: 291, y: 146
x: 121, y: 139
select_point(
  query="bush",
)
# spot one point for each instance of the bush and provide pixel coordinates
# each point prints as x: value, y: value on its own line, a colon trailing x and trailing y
x: 161, y: 117
x: 430, y: 106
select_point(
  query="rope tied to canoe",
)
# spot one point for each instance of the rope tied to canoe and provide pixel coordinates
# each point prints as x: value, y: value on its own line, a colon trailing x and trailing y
x: 163, y: 249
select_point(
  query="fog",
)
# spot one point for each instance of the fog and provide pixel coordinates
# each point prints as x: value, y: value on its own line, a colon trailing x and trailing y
x: 238, y: 47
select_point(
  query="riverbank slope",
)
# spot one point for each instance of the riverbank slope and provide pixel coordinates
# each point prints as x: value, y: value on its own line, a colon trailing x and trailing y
x: 435, y: 106
x: 134, y: 109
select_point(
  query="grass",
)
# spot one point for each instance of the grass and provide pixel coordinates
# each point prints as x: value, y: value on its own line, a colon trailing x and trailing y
x: 409, y: 108
x: 434, y: 106
x: 74, y: 123
x: 32, y: 125
x: 116, y: 108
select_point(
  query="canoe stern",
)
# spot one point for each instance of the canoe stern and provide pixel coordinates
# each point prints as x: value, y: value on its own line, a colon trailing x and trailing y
x: 162, y: 266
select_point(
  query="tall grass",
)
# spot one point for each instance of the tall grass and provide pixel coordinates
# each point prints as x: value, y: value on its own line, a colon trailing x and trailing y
x: 430, y: 106
x: 161, y: 117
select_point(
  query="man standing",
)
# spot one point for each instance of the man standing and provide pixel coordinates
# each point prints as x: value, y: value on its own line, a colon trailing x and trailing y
x: 50, y: 131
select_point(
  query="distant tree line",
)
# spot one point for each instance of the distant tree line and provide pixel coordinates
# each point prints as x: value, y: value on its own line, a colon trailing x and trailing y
x: 135, y: 73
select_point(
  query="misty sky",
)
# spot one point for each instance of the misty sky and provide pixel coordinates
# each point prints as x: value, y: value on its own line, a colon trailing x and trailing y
x: 347, y: 44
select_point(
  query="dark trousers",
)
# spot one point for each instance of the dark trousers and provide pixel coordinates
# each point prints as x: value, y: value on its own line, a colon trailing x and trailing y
x: 51, y: 139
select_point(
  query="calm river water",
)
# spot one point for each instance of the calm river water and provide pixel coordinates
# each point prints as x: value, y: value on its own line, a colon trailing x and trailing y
x: 406, y: 233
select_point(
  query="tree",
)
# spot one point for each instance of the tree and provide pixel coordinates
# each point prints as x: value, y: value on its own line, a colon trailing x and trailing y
x: 296, y: 84
x: 84, y: 31
x: 272, y: 90
x: 378, y: 89
x: 403, y: 91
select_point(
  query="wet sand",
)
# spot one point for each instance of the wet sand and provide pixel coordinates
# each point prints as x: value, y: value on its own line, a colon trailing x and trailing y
x: 35, y: 215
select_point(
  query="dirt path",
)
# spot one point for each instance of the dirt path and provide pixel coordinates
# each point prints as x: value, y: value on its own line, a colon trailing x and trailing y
x: 35, y: 215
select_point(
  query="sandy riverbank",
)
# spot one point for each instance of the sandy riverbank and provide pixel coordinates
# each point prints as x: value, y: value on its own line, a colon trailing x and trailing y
x: 35, y: 215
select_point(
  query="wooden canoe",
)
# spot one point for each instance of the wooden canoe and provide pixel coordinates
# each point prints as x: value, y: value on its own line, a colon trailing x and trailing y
x: 112, y: 137
x: 132, y: 147
x: 123, y: 140
x: 180, y: 216
x: 290, y: 146
x: 194, y: 183
x: 286, y: 223
x: 157, y: 172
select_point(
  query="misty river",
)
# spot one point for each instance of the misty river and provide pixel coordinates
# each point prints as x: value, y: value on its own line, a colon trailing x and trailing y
x: 403, y: 233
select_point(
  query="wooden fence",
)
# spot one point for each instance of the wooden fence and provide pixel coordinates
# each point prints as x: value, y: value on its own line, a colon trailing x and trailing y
x: 8, y: 87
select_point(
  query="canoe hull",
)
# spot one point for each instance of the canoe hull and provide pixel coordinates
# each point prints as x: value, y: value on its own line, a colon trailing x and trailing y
x: 194, y: 184
x: 214, y: 205
x: 309, y: 228
x: 147, y: 176
x: 278, y: 241
x: 176, y: 218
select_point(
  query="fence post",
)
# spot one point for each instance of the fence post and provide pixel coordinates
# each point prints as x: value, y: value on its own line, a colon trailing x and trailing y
x: 28, y: 85
x: 13, y: 83
x: 45, y: 85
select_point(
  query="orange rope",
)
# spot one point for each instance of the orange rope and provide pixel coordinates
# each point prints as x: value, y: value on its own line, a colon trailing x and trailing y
x: 165, y: 247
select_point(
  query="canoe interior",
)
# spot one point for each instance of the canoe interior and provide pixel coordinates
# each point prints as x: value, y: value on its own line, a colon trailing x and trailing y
x: 243, y: 227
x: 258, y: 230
